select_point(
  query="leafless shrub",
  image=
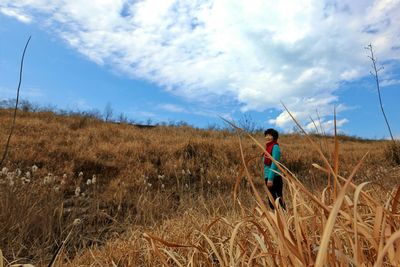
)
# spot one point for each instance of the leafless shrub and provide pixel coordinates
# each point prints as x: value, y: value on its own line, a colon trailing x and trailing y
x: 392, y: 152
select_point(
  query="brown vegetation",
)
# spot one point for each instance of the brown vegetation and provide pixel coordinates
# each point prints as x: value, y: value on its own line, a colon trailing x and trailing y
x: 164, y: 195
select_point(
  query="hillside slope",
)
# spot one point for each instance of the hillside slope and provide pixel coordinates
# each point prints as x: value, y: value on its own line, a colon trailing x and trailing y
x: 164, y: 177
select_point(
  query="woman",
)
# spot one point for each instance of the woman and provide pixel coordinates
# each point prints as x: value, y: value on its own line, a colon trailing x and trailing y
x: 272, y: 177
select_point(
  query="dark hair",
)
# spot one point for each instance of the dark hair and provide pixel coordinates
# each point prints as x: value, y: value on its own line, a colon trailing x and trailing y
x: 272, y: 132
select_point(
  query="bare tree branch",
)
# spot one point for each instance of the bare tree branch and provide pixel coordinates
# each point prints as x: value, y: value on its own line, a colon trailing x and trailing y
x: 16, y: 104
x: 375, y: 74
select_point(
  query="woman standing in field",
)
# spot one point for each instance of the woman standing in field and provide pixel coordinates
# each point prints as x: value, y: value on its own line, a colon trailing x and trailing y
x: 272, y: 177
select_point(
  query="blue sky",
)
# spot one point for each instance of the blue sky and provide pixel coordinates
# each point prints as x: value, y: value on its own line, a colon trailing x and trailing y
x: 197, y: 60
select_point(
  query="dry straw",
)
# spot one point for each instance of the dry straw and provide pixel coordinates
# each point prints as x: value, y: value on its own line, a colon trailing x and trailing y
x: 343, y: 226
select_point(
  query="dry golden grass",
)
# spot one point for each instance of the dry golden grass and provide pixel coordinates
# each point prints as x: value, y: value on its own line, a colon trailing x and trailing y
x: 164, y: 196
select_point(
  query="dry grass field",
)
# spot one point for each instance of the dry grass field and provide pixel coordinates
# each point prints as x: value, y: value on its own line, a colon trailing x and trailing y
x: 103, y: 194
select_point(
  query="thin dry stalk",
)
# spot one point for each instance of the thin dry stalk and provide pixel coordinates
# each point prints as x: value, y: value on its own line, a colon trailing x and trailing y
x: 16, y: 105
x: 395, y: 201
x: 335, y: 158
x: 60, y: 248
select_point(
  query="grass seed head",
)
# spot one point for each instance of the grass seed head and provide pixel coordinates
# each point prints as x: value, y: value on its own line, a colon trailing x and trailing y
x: 34, y: 168
x: 77, y: 222
x: 77, y: 191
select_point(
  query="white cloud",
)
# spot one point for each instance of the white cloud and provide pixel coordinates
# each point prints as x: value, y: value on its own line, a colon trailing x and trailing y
x: 389, y: 82
x: 16, y: 13
x: 257, y: 54
x: 142, y: 114
x: 79, y: 104
x: 29, y: 93
x: 326, y: 127
x: 7, y: 92
x: 193, y: 111
x: 172, y: 108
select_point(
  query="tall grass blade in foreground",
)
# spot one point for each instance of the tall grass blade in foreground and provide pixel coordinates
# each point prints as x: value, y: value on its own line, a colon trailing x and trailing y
x: 1, y: 258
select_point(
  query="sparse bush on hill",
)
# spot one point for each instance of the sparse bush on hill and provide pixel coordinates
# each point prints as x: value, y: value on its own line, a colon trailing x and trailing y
x: 248, y: 124
x: 392, y: 152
